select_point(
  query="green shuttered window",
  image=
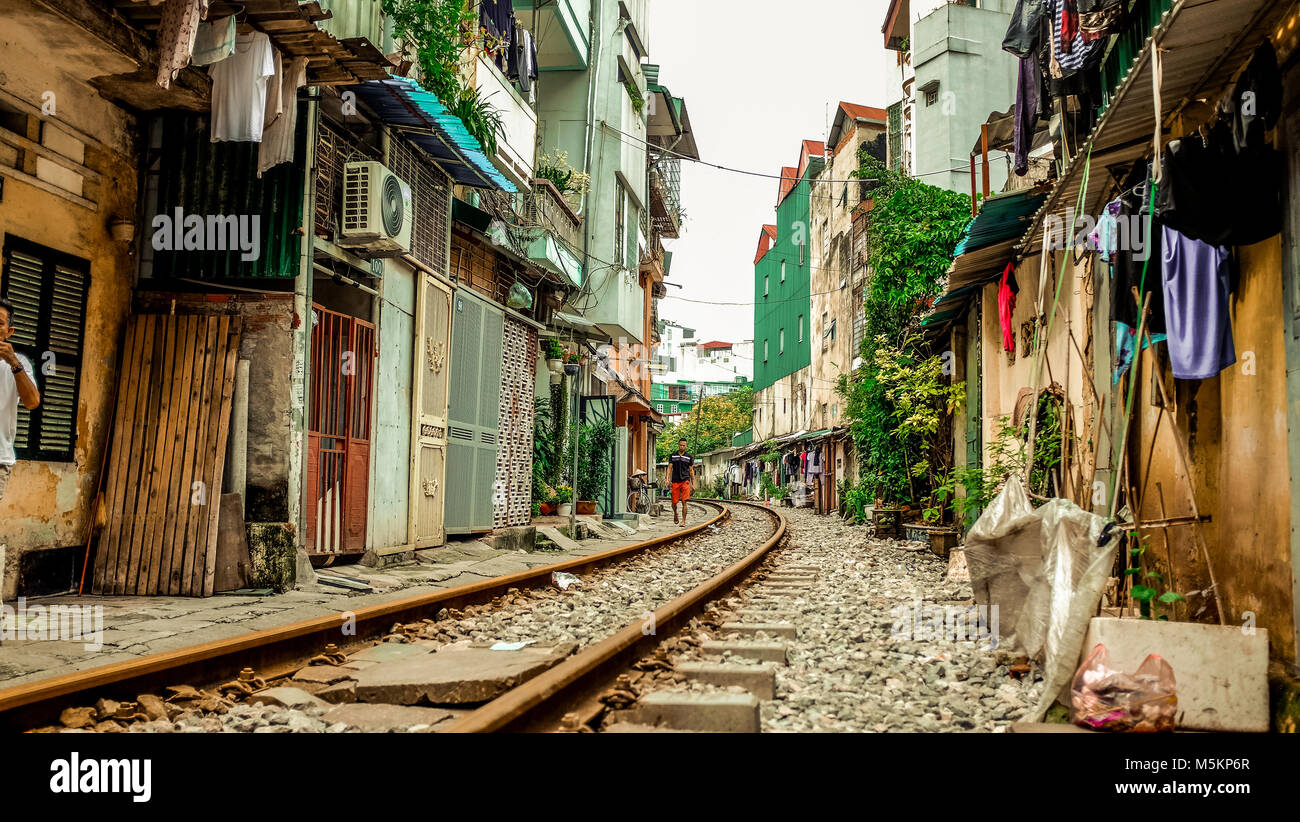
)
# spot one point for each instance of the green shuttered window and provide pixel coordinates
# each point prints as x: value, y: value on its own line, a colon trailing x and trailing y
x: 48, y: 291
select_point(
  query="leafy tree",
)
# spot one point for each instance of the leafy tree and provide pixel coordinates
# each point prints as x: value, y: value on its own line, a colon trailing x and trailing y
x: 711, y: 423
x: 440, y: 32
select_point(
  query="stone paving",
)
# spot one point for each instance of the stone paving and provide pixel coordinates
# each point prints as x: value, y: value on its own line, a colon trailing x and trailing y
x: 139, y: 626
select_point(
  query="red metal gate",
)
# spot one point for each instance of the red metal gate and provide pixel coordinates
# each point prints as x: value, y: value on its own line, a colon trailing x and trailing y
x: 338, y: 433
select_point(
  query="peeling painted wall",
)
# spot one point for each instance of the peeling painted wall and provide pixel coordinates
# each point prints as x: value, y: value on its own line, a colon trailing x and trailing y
x: 48, y: 504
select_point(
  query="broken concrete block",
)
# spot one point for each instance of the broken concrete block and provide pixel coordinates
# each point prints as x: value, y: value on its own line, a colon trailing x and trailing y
x: 287, y: 697
x: 1221, y: 672
x: 322, y: 674
x: 765, y: 651
x: 759, y: 680
x: 455, y: 676
x: 273, y: 552
x: 752, y: 628
x: 152, y: 705
x: 716, y: 712
x: 380, y: 718
x: 561, y: 541
x: 515, y: 539
x: 339, y: 693
x: 389, y: 652
x: 77, y: 717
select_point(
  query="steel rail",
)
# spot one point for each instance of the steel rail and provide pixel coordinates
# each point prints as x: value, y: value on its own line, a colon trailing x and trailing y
x: 572, y: 686
x: 278, y: 652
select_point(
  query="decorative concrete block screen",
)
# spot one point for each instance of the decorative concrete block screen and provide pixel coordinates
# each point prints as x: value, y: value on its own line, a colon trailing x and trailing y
x: 512, y: 494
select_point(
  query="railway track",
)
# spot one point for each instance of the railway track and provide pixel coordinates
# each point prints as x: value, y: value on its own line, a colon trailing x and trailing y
x: 276, y: 654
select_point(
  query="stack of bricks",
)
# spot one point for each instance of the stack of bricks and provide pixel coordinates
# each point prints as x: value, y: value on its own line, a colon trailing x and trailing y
x: 512, y: 503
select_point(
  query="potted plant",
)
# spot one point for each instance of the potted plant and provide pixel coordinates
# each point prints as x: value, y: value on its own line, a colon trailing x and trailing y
x: 783, y: 494
x: 563, y: 500
x: 554, y: 355
x: 595, y: 443
x: 572, y: 360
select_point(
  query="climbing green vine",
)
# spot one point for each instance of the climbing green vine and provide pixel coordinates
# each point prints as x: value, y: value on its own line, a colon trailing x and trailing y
x: 896, y: 399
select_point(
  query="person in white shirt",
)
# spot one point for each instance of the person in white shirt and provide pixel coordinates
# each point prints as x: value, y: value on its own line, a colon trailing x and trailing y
x: 17, y: 383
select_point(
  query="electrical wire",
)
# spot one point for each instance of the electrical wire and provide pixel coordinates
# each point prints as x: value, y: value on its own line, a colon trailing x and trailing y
x: 641, y: 141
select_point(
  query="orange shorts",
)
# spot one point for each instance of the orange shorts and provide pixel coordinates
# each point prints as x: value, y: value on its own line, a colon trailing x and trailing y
x: 681, y: 492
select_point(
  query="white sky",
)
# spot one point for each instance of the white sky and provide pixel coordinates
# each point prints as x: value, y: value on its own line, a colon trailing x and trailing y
x: 758, y: 77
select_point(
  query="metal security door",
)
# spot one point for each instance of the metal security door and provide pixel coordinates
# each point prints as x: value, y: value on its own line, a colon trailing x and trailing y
x: 429, y: 439
x: 600, y: 409
x: 474, y: 412
x: 338, y: 432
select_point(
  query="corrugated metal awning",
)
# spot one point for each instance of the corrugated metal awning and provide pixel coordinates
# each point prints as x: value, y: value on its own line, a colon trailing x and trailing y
x: 425, y: 121
x: 1205, y: 43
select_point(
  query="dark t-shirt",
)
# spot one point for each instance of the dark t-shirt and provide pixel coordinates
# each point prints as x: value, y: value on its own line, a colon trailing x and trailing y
x: 682, y: 467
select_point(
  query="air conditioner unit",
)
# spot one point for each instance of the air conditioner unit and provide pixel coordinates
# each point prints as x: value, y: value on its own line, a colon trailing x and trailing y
x: 377, y: 210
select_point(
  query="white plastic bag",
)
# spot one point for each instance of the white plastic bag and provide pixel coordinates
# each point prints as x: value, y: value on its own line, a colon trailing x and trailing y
x: 1044, y: 569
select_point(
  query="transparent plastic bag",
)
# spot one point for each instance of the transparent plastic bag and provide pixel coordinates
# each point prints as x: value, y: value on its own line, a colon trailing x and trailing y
x: 1105, y: 699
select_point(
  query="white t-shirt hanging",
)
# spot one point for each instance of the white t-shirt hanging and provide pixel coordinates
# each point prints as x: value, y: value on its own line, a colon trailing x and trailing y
x: 239, y: 89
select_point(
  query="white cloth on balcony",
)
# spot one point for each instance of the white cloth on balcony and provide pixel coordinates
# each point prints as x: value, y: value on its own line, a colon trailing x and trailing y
x: 176, y: 33
x: 215, y: 41
x: 278, y: 139
x: 239, y: 89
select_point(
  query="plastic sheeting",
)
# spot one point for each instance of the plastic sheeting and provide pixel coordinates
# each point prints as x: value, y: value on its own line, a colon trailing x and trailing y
x: 1044, y: 570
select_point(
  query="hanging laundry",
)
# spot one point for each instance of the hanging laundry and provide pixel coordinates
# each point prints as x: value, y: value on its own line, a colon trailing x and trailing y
x: 214, y: 42
x: 1007, y: 292
x: 1213, y: 193
x: 1195, y: 279
x: 1029, y: 84
x: 274, y: 92
x: 1022, y: 38
x: 1069, y: 26
x: 1105, y: 237
x: 1070, y: 50
x: 1100, y: 18
x: 1256, y: 102
x: 239, y: 90
x: 278, y: 137
x: 1137, y: 264
x: 179, y: 27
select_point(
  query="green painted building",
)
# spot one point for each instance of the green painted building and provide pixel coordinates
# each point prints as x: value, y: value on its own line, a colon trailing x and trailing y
x: 782, y: 273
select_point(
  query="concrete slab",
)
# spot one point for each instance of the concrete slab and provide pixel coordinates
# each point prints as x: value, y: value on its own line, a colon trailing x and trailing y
x: 455, y: 676
x: 380, y: 718
x: 514, y: 539
x: 563, y: 542
x: 764, y: 651
x: 286, y: 697
x: 1047, y: 728
x: 323, y: 674
x: 757, y: 615
x: 1222, y: 673
x: 752, y: 628
x: 759, y: 680
x: 717, y: 712
x: 390, y: 652
x: 632, y: 728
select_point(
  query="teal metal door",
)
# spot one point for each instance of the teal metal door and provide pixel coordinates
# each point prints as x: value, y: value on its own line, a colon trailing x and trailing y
x: 474, y: 412
x: 600, y: 409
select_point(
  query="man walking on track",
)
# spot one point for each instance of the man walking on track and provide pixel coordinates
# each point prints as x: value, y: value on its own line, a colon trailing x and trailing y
x: 683, y: 474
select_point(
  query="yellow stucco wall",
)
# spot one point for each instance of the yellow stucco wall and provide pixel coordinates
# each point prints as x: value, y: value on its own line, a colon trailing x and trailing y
x: 47, y: 504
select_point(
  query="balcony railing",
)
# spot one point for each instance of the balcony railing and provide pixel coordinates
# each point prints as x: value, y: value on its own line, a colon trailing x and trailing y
x: 665, y: 195
x: 544, y: 207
